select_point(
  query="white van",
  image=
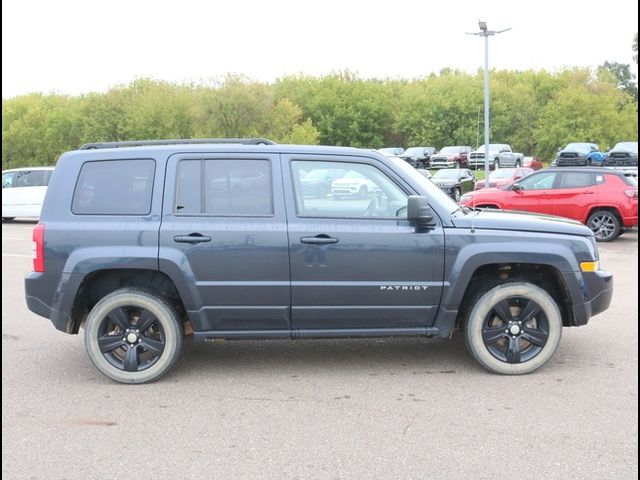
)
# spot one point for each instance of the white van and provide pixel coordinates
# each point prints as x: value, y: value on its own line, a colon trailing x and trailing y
x: 23, y: 191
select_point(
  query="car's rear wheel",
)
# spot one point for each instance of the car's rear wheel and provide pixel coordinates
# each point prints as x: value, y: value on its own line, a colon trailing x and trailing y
x: 518, y: 164
x: 496, y: 164
x: 513, y: 328
x: 133, y: 336
x: 604, y: 224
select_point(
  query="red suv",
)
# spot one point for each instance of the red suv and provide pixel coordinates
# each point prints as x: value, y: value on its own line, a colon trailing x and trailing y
x: 606, y: 201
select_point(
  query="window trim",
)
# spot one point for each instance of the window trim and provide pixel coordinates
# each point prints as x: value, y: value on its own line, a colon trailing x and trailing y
x: 202, y: 214
x: 99, y: 214
x: 295, y: 186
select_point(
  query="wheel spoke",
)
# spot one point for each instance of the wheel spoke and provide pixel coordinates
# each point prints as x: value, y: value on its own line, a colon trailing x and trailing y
x: 146, y: 320
x: 503, y: 311
x: 154, y: 346
x: 491, y: 335
x: 513, y: 352
x: 119, y: 317
x: 529, y: 312
x: 536, y: 337
x: 108, y: 343
x: 132, y: 359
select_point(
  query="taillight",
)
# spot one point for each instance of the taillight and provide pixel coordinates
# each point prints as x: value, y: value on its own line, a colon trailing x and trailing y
x: 38, y: 248
x: 631, y: 193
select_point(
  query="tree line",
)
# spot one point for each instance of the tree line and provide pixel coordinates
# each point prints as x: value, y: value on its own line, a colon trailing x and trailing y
x: 534, y: 111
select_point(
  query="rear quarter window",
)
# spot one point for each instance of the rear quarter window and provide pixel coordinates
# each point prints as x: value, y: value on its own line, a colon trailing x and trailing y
x: 114, y: 187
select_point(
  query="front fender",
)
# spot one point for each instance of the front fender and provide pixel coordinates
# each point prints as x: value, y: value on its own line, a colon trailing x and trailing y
x: 473, y: 256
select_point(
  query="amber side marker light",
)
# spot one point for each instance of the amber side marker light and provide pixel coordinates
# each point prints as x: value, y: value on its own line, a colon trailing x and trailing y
x: 588, y: 266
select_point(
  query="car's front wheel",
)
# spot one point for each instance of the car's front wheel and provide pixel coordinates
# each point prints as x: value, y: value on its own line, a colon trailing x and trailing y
x: 604, y: 224
x: 496, y: 164
x: 133, y: 336
x: 513, y: 328
x: 456, y: 194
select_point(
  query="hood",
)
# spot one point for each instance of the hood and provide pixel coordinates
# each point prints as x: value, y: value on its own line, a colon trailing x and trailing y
x: 520, y: 221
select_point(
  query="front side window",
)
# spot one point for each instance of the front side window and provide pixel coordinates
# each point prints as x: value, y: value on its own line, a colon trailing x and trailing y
x: 32, y: 178
x: 361, y: 191
x: 543, y: 181
x: 215, y: 187
x: 114, y: 187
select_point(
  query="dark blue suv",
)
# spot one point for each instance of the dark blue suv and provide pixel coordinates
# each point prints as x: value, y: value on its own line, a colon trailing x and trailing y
x: 139, y: 242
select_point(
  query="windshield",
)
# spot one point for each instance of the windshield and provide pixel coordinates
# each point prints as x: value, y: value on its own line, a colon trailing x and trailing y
x: 450, y: 150
x: 501, y: 174
x: 492, y: 148
x: 579, y: 147
x: 626, y: 147
x: 433, y: 192
x: 413, y: 151
x: 447, y: 174
x: 393, y: 150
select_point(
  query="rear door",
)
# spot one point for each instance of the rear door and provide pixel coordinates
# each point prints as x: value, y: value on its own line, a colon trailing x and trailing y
x: 355, y: 260
x: 224, y: 231
x: 575, y: 192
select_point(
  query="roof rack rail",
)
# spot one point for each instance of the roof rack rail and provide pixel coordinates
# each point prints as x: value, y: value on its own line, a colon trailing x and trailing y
x: 140, y: 143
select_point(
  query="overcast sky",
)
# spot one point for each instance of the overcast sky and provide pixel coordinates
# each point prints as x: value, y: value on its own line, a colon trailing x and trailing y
x: 73, y: 47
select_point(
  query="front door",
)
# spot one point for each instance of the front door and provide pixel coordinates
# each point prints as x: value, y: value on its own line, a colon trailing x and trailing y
x: 224, y: 230
x: 535, y: 195
x: 355, y: 260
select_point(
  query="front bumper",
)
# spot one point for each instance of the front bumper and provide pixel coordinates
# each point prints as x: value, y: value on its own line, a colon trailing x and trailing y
x: 597, y: 290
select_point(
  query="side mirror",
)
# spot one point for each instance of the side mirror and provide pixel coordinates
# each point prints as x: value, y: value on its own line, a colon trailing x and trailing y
x: 516, y: 187
x: 419, y: 212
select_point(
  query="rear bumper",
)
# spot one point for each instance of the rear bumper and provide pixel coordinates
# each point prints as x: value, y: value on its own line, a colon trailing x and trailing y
x: 51, y: 295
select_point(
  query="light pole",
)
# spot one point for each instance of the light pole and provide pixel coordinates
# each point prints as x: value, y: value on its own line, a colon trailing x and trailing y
x: 484, y: 32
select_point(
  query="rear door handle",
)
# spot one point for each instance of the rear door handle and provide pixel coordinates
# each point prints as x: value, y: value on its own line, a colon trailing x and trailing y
x: 192, y: 238
x: 321, y: 239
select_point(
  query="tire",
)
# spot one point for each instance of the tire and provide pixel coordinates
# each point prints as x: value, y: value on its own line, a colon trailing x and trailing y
x: 456, y: 194
x: 496, y: 164
x: 514, y: 328
x: 457, y: 164
x: 518, y: 163
x: 604, y: 224
x: 128, y: 354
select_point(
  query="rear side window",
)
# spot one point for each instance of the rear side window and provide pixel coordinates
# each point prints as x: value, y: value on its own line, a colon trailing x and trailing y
x: 114, y: 187
x: 238, y: 187
x: 576, y: 180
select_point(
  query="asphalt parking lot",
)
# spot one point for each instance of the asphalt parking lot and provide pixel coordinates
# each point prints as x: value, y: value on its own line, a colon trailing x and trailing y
x: 400, y: 408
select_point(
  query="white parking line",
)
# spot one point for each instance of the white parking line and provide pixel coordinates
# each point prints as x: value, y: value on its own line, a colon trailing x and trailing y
x: 16, y: 255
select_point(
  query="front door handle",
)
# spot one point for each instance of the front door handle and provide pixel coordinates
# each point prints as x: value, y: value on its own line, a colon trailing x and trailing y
x: 321, y: 239
x: 192, y: 238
